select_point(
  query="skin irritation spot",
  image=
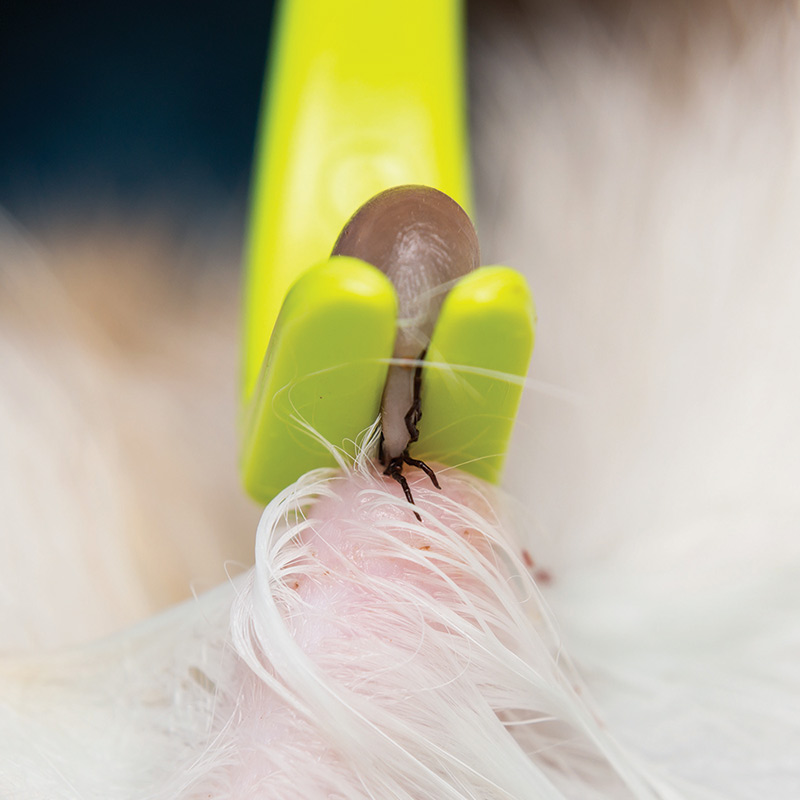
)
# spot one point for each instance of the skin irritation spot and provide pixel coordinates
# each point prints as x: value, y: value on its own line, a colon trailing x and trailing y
x: 423, y: 241
x: 543, y: 576
x: 540, y: 575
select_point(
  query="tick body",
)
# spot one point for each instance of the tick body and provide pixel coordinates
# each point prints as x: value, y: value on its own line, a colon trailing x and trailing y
x: 423, y: 241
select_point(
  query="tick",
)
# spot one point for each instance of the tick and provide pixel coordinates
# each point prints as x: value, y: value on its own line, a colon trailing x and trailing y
x: 423, y: 241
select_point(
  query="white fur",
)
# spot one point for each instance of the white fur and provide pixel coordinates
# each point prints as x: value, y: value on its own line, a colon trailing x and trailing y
x: 651, y: 192
x: 117, y: 432
x: 369, y: 656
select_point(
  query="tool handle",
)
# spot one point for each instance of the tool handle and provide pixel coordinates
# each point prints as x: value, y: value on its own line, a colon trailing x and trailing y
x: 360, y: 95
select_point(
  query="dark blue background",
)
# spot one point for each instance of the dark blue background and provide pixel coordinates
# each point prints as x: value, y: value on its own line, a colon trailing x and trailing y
x: 114, y: 102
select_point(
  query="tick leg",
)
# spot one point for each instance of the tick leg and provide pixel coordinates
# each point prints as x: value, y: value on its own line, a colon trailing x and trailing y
x: 395, y: 470
x: 412, y: 418
x: 414, y: 414
x: 381, y: 452
x: 415, y: 462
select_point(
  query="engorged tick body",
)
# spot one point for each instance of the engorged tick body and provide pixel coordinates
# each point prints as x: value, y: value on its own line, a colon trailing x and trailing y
x: 423, y: 241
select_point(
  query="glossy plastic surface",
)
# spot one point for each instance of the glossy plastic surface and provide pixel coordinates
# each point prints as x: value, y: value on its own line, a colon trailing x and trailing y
x: 361, y: 96
x: 477, y: 361
x: 323, y: 375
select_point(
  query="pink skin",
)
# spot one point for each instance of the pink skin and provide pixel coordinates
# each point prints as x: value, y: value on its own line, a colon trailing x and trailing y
x: 335, y: 539
x: 360, y: 552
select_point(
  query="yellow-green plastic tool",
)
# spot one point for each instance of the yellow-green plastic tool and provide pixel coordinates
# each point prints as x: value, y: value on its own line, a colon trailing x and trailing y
x: 362, y: 96
x: 482, y: 342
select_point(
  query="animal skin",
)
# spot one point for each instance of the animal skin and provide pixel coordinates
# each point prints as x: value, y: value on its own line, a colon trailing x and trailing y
x: 620, y: 620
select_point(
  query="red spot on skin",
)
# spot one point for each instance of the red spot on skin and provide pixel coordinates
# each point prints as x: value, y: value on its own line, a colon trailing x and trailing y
x: 296, y: 585
x: 425, y: 547
x: 543, y: 576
